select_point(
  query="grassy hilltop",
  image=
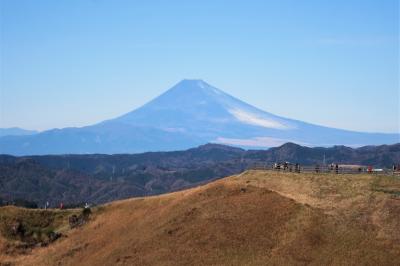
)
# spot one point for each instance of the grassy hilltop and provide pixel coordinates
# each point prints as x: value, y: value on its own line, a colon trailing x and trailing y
x: 255, y: 218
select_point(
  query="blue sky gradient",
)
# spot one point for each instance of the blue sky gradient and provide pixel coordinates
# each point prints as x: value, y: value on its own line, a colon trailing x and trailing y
x: 74, y: 62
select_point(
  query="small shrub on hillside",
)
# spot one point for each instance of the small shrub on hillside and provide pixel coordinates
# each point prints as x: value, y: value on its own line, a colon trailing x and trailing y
x: 74, y: 205
x: 32, y: 228
x: 75, y: 221
x: 25, y: 203
x: 86, y: 212
x: 19, y: 203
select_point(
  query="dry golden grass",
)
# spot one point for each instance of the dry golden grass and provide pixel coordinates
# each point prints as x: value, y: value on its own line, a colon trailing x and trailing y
x: 36, y: 223
x: 256, y: 218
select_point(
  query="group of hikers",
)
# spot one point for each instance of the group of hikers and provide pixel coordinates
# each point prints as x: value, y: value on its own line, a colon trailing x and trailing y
x: 286, y: 166
x: 331, y: 168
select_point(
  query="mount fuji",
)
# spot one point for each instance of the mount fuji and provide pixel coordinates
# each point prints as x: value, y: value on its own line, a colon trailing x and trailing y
x: 189, y: 114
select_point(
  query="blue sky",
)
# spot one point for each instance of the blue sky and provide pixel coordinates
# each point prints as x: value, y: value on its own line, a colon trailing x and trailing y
x: 74, y: 63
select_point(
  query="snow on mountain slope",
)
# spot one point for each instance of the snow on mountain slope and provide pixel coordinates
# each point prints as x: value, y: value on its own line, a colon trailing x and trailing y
x: 192, y: 102
x: 253, y: 119
x: 189, y: 114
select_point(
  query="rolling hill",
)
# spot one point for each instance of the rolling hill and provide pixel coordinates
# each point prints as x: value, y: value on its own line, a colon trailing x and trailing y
x: 255, y: 218
x: 98, y: 178
x: 189, y: 114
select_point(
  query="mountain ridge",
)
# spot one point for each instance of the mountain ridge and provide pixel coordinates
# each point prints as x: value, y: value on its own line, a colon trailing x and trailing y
x: 100, y: 178
x: 16, y: 131
x: 189, y: 114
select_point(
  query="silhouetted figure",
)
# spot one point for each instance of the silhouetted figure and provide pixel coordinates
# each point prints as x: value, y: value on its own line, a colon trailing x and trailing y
x: 297, y: 168
x: 370, y: 169
x: 337, y: 169
x: 317, y: 168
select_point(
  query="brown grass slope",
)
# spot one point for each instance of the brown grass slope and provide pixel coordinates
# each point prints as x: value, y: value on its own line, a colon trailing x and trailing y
x: 256, y: 218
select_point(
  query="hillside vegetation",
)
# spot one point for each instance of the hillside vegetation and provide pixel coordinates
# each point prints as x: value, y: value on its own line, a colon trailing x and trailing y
x: 99, y: 178
x: 254, y: 218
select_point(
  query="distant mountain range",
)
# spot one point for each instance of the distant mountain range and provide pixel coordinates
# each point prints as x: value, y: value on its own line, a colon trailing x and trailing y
x: 101, y: 178
x: 189, y: 114
x: 16, y: 131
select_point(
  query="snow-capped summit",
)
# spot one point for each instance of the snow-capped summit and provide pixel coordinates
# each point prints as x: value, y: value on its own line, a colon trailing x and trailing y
x: 190, y: 113
x: 192, y: 101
